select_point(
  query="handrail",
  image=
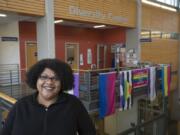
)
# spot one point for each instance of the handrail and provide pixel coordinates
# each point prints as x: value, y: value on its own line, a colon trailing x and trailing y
x: 7, y: 98
x: 102, y: 69
x: 133, y: 129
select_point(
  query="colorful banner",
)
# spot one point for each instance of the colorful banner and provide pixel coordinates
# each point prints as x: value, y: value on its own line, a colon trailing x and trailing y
x: 125, y: 79
x: 152, y: 83
x: 166, y: 79
x: 76, y: 85
x: 140, y: 78
x: 106, y: 93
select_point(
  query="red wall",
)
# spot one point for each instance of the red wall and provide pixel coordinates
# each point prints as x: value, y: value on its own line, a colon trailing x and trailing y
x: 86, y: 38
x: 27, y: 32
x: 113, y: 36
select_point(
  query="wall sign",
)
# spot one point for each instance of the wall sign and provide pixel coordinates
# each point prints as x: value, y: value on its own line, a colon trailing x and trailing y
x: 81, y: 60
x: 89, y: 56
x: 146, y: 40
x: 75, y: 10
x: 9, y: 39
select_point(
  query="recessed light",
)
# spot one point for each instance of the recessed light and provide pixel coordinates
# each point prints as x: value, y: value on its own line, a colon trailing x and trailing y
x: 58, y: 21
x: 99, y: 26
x: 3, y: 15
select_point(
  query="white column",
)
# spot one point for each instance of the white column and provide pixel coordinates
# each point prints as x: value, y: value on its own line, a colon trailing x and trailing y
x: 45, y: 32
x: 133, y: 35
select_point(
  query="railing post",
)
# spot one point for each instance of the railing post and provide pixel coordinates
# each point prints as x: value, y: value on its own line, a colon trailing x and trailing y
x: 11, y: 81
x: 137, y: 130
x: 18, y: 76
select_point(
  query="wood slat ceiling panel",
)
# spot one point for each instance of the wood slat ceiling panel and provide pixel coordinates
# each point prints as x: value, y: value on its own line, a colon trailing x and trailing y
x: 121, y: 9
x: 33, y: 7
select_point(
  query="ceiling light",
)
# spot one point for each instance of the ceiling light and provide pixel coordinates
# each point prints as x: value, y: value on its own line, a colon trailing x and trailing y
x: 58, y: 21
x: 99, y: 26
x: 3, y: 15
x: 159, y: 5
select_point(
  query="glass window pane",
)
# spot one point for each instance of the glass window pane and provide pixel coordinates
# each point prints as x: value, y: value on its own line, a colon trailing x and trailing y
x: 169, y: 2
x: 155, y: 34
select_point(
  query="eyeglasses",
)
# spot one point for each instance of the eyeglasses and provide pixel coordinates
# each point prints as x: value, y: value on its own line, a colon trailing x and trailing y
x: 46, y: 78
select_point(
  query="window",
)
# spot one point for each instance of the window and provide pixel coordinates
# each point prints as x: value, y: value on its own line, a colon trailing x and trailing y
x: 173, y: 3
x: 148, y: 35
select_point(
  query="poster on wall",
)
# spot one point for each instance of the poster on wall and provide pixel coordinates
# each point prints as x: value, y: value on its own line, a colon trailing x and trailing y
x: 89, y: 56
x: 81, y: 60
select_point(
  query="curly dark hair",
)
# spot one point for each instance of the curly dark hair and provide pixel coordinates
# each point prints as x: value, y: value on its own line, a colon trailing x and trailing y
x: 60, y: 68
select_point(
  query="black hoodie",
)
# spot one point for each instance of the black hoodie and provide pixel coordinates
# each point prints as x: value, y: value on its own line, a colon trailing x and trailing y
x: 65, y: 117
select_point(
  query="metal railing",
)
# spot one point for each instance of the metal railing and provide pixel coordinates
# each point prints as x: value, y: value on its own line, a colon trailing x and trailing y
x: 89, y: 81
x: 155, y: 126
x: 152, y: 118
x: 6, y: 103
x: 12, y: 81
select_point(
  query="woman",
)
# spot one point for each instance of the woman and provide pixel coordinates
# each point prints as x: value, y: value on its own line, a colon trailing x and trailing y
x: 49, y: 111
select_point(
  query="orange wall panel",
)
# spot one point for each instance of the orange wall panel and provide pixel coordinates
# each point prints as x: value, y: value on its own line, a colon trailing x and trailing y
x: 163, y: 51
x: 120, y: 12
x: 32, y: 7
x: 154, y: 18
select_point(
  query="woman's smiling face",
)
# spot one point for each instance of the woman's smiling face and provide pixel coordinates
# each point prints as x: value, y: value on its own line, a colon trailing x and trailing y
x: 48, y: 85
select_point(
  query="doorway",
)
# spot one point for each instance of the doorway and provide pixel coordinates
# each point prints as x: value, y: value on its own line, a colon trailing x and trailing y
x: 31, y: 53
x: 101, y: 56
x: 72, y: 55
